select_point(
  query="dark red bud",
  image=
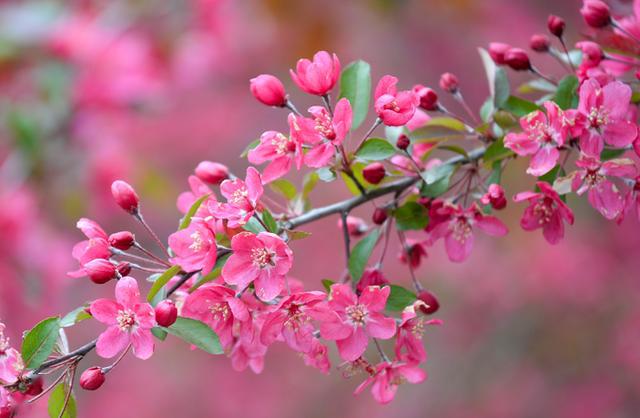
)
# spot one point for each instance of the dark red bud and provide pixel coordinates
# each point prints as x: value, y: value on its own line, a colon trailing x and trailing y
x: 403, y: 142
x: 6, y: 412
x: 431, y: 300
x: 92, y: 378
x: 517, y: 59
x: 100, y: 271
x: 379, y: 216
x: 35, y: 387
x: 497, y: 51
x: 124, y: 268
x: 122, y: 240
x: 556, y: 25
x: 449, y: 82
x: 374, y: 173
x: 166, y: 313
x: 539, y: 43
x: 212, y: 173
x: 125, y: 196
x: 428, y: 97
x: 596, y: 13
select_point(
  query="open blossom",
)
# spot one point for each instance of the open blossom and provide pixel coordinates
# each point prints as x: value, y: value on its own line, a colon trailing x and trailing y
x: 129, y: 321
x: 457, y: 229
x: 606, y: 111
x: 494, y: 197
x: 542, y: 135
x: 331, y: 131
x: 593, y: 177
x: 350, y: 319
x: 95, y: 247
x: 317, y: 357
x: 547, y: 211
x: 318, y: 76
x: 409, y: 346
x: 291, y: 321
x: 263, y: 259
x: 11, y: 365
x: 242, y: 199
x: 394, y: 108
x: 280, y: 150
x: 218, y: 307
x: 388, y: 376
x: 198, y: 188
x: 194, y: 247
x: 248, y: 350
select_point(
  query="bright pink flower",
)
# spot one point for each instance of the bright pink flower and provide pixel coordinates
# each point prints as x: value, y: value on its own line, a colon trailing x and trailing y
x: 593, y: 177
x: 99, y: 270
x: 248, y: 350
x: 409, y: 346
x: 371, y: 277
x: 494, y: 197
x: 317, y: 357
x: 218, y: 307
x: 387, y: 378
x: 211, y: 172
x: 281, y: 151
x: 95, y: 248
x: 394, y: 108
x: 350, y: 320
x: 291, y: 321
x: 198, y: 189
x: 318, y: 76
x: 592, y: 54
x: 329, y: 133
x: 11, y: 365
x: 242, y: 199
x: 129, y: 321
x: 542, y: 135
x: 547, y: 211
x: 264, y: 259
x: 194, y: 247
x: 606, y: 110
x: 457, y: 231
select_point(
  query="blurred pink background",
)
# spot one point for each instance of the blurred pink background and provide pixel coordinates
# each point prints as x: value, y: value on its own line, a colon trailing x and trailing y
x: 143, y: 90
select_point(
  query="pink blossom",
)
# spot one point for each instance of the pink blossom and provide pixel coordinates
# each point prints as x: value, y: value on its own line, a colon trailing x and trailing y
x: 248, y: 350
x: 606, y: 109
x: 350, y: 319
x: 593, y: 177
x: 457, y: 231
x: 242, y: 199
x: 371, y: 277
x: 194, y: 247
x: 330, y: 132
x: 11, y: 365
x: 318, y: 76
x: 95, y: 248
x: 413, y: 253
x: 281, y: 151
x: 387, y: 378
x: 409, y: 346
x: 494, y: 197
x: 547, y: 211
x: 129, y: 321
x: 394, y: 108
x: 198, y: 188
x: 317, y: 357
x: 264, y: 259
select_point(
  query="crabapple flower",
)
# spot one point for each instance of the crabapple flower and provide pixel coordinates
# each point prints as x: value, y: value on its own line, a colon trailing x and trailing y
x: 539, y: 43
x: 263, y: 259
x: 374, y: 172
x: 387, y: 378
x: 281, y: 151
x: 269, y: 90
x: 394, y: 108
x: 125, y: 196
x: 592, y: 54
x: 194, y: 247
x: 413, y: 253
x: 129, y: 321
x: 99, y: 270
x: 371, y: 277
x: 409, y: 346
x: 350, y: 319
x: 428, y: 98
x: 11, y: 365
x: 556, y: 25
x: 494, y: 197
x: 242, y: 199
x: 329, y: 132
x: 606, y: 109
x: 122, y: 240
x: 317, y: 357
x: 92, y: 378
x: 596, y: 13
x: 318, y: 76
x: 248, y: 351
x: 517, y: 59
x: 449, y: 83
x: 593, y: 177
x: 547, y: 211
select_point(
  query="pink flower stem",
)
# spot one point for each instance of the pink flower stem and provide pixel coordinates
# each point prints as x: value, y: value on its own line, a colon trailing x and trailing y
x: 289, y: 105
x: 266, y: 228
x: 537, y: 72
x: 327, y: 102
x: 107, y: 369
x: 48, y: 389
x: 138, y: 216
x: 460, y: 99
x: 137, y: 257
x: 376, y: 123
x: 345, y: 235
x: 383, y: 356
x: 566, y: 51
x: 72, y: 374
x: 403, y: 242
x: 150, y: 254
x: 385, y: 245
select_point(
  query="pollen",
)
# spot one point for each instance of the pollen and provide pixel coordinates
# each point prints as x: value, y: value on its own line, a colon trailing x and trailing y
x: 461, y: 230
x: 197, y: 242
x: 262, y: 257
x: 220, y: 311
x: 357, y: 314
x: 126, y: 320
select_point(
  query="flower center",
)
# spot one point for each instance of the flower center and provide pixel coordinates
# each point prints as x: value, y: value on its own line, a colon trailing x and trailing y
x: 197, y: 241
x: 357, y: 314
x: 240, y: 195
x: 220, y: 311
x: 296, y: 317
x: 392, y: 105
x: 282, y: 144
x: 323, y: 126
x: 593, y: 178
x: 598, y: 116
x: 126, y: 320
x: 461, y: 230
x: 262, y: 257
x: 543, y: 211
x: 417, y: 327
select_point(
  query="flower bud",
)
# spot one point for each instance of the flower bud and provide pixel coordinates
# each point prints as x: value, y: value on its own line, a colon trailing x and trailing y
x: 374, y: 173
x: 124, y: 268
x: 403, y: 142
x: 428, y: 97
x: 430, y: 299
x: 6, y: 411
x: 269, y: 90
x: 495, y: 197
x: 35, y: 387
x: 449, y: 83
x: 122, y: 240
x: 379, y: 216
x: 596, y: 13
x: 592, y: 54
x: 166, y: 313
x: 100, y: 271
x: 371, y: 277
x: 517, y: 59
x: 125, y: 196
x: 497, y: 51
x: 212, y: 173
x: 92, y: 378
x: 556, y: 25
x: 539, y: 43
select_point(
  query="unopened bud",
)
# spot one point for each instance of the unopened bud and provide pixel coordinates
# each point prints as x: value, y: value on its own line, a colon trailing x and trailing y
x: 517, y: 59
x: 403, y: 142
x: 432, y: 303
x: 374, y: 173
x: 166, y: 313
x: 539, y: 43
x: 212, y: 173
x: 556, y: 25
x: 92, y: 378
x: 124, y: 268
x: 379, y: 216
x: 449, y: 82
x: 495, y: 197
x: 35, y: 387
x: 122, y: 240
x: 269, y: 90
x: 428, y: 97
x: 125, y: 196
x: 100, y: 271
x: 497, y: 51
x: 596, y: 13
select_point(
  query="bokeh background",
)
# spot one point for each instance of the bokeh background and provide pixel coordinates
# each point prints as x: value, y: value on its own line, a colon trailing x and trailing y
x: 143, y: 90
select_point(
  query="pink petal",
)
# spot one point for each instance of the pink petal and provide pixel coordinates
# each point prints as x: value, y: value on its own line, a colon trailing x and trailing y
x: 111, y: 342
x: 105, y: 311
x: 268, y: 286
x: 458, y: 250
x: 543, y: 161
x: 353, y: 346
x: 127, y: 292
x: 239, y: 271
x: 142, y: 342
x: 375, y: 297
x: 620, y: 134
x: 379, y: 326
x: 491, y: 226
x: 554, y: 230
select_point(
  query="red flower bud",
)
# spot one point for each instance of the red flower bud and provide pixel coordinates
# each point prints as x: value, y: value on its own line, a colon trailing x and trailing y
x: 92, y: 378
x: 379, y: 216
x: 122, y: 240
x: 592, y: 54
x: 494, y: 197
x: 166, y: 313
x: 428, y: 97
x: 497, y: 51
x: 212, y: 173
x: 374, y: 173
x: 6, y: 412
x: 596, y: 13
x: 125, y: 196
x: 556, y: 25
x: 100, y: 271
x: 269, y: 90
x: 449, y: 82
x: 403, y: 142
x: 124, y: 268
x: 430, y: 299
x: 35, y: 387
x: 517, y: 59
x: 539, y: 43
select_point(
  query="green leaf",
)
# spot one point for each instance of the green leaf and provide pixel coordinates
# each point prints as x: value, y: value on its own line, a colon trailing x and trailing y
x: 436, y: 180
x: 519, y: 107
x: 611, y: 153
x: 159, y: 333
x: 56, y: 402
x: 25, y: 132
x: 455, y: 148
x: 496, y: 173
x: 375, y: 149
x: 213, y: 274
x: 186, y: 221
x: 75, y: 316
x: 268, y: 220
x: 497, y: 79
x: 399, y: 298
x: 39, y: 342
x: 326, y: 174
x: 284, y: 187
x: 438, y: 172
x: 253, y: 225
x: 327, y: 284
x: 447, y: 122
x: 496, y: 152
x: 162, y: 280
x: 360, y: 255
x: 551, y: 176
x: 355, y: 85
x: 566, y: 95
x: 411, y: 216
x: 251, y: 146
x: 197, y: 333
x: 297, y: 234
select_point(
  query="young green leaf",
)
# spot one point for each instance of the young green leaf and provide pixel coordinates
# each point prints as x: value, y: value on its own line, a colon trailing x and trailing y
x: 284, y: 187
x: 253, y: 225
x: 376, y: 149
x: 411, y: 216
x: 159, y: 333
x: 326, y: 283
x: 360, y: 255
x: 197, y: 333
x: 268, y: 220
x: 39, y: 342
x: 57, y: 403
x: 186, y: 221
x: 566, y: 95
x: 162, y: 280
x: 496, y: 152
x: 75, y: 316
x: 519, y: 107
x: 399, y: 298
x: 355, y: 85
